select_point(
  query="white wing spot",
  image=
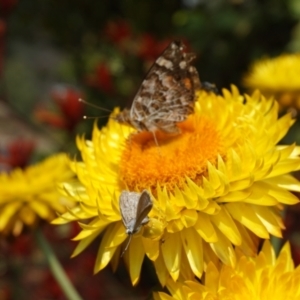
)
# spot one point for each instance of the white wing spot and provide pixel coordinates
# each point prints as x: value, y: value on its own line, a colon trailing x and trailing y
x: 164, y: 63
x: 182, y: 64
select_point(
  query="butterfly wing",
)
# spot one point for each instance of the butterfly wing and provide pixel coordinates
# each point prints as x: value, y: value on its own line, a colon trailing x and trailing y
x: 167, y: 94
x: 144, y: 206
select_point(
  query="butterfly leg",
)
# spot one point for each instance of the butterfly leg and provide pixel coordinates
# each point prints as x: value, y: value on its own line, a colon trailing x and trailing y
x: 155, y: 139
x: 127, y: 245
x: 156, y: 142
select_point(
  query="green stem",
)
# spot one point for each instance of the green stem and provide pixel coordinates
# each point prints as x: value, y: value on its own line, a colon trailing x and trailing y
x: 56, y: 268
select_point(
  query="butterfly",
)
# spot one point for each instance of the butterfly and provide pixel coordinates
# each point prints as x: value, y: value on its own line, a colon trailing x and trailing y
x: 134, y: 208
x: 167, y: 94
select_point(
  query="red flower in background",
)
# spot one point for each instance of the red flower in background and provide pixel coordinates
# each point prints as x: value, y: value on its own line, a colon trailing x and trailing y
x: 6, y: 6
x: 66, y: 99
x: 150, y: 48
x: 101, y: 78
x: 21, y: 246
x: 117, y: 31
x: 2, y: 29
x: 5, y: 292
x: 17, y: 154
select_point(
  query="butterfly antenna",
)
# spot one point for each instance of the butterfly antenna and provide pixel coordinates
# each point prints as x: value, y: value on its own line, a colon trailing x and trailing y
x: 127, y: 245
x: 93, y: 105
x: 93, y: 118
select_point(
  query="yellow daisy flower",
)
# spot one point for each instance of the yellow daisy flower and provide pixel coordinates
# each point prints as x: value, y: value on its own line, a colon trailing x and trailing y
x: 278, y: 77
x: 216, y: 186
x: 262, y: 277
x: 31, y: 194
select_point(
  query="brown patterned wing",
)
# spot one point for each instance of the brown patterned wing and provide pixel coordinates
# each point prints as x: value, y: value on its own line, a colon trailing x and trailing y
x: 167, y: 94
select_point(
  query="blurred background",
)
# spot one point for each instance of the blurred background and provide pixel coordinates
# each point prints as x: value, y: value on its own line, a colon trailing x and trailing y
x: 54, y: 52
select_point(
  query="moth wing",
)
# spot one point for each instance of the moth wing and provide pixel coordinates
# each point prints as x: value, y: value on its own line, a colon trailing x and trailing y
x: 144, y: 206
x: 128, y: 203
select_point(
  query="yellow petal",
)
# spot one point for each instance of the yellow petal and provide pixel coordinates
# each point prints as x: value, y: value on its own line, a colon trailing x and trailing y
x: 7, y: 212
x: 174, y: 288
x: 249, y: 241
x: 213, y: 176
x: 235, y: 196
x: 209, y: 256
x: 283, y: 196
x: 189, y: 217
x: 27, y: 215
x: 85, y: 242
x: 224, y: 250
x: 186, y: 271
x: 285, y: 259
x: 171, y: 250
x: 225, y: 224
x: 260, y: 195
x: 266, y: 216
x: 136, y: 256
x: 163, y: 296
x: 192, y: 245
x: 244, y: 214
x: 154, y: 229
x: 269, y: 253
x: 151, y: 248
x: 284, y: 167
x: 113, y: 236
x: 205, y: 228
x: 212, y: 274
x: 88, y: 231
x: 161, y: 269
x: 175, y: 226
x: 286, y: 181
x: 41, y: 209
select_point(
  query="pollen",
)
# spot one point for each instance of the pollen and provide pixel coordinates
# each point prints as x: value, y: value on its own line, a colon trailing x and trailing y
x: 146, y: 164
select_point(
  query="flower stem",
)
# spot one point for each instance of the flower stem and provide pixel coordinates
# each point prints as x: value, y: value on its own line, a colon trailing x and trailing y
x: 56, y: 267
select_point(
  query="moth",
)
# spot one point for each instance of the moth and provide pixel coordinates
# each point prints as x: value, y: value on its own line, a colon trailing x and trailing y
x: 134, y: 208
x: 167, y: 94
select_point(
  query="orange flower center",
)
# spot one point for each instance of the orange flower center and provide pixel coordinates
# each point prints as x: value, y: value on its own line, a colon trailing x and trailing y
x: 144, y: 164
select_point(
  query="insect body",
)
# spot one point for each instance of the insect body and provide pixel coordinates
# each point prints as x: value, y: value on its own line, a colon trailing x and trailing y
x: 134, y: 208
